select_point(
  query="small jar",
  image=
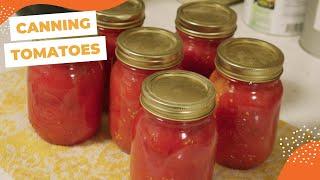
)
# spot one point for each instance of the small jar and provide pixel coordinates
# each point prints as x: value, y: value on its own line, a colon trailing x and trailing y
x: 202, y: 27
x: 65, y: 101
x: 175, y: 132
x: 249, y: 96
x: 140, y: 52
x: 112, y: 22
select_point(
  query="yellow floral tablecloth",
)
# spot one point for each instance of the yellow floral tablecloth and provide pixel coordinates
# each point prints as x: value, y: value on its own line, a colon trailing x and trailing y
x: 24, y: 155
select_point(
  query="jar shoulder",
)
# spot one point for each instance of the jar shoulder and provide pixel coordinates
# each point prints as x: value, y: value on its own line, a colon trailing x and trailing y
x: 148, y: 120
x: 222, y: 82
x: 254, y: 93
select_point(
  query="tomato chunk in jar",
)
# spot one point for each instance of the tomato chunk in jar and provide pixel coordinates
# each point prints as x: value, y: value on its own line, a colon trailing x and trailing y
x: 111, y: 23
x: 174, y: 137
x: 202, y: 27
x: 137, y: 59
x: 249, y: 96
x: 111, y: 39
x: 65, y: 101
x: 124, y: 102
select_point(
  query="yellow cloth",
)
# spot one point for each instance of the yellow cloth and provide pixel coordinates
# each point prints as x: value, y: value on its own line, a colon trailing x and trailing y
x: 25, y: 156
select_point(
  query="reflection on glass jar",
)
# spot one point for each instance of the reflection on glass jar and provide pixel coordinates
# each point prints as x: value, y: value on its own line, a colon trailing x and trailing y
x: 64, y: 101
x: 140, y: 52
x: 249, y: 96
x: 174, y: 136
x: 202, y: 27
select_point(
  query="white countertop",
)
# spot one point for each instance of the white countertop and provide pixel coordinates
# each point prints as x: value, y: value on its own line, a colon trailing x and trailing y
x: 301, y: 79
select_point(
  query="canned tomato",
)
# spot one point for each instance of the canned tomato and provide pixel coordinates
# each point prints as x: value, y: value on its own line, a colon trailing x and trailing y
x: 65, y: 101
x: 175, y: 133
x: 202, y: 27
x: 249, y: 94
x: 140, y: 52
x: 278, y: 17
x: 111, y: 23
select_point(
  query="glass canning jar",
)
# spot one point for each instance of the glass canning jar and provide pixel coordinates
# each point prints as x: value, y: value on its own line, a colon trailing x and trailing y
x: 111, y: 23
x: 202, y: 27
x: 65, y: 101
x: 249, y: 94
x: 175, y: 132
x: 140, y: 52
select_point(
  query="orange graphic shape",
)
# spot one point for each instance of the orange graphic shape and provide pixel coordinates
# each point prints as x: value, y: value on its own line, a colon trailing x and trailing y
x: 9, y: 7
x: 304, y: 163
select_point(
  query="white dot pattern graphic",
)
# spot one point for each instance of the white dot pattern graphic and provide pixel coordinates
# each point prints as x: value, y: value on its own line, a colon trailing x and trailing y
x: 300, y: 137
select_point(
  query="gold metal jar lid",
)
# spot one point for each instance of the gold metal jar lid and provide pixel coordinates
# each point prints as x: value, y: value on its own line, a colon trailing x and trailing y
x: 206, y: 19
x: 128, y: 15
x: 149, y: 48
x: 249, y: 60
x: 178, y: 95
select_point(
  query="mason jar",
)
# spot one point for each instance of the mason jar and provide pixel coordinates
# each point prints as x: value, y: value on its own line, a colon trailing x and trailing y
x: 65, y: 101
x: 203, y: 26
x: 175, y: 133
x: 140, y: 52
x: 111, y: 23
x: 249, y: 94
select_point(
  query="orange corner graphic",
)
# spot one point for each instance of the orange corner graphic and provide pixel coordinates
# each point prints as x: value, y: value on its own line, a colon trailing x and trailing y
x: 9, y: 7
x: 304, y: 163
